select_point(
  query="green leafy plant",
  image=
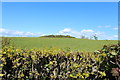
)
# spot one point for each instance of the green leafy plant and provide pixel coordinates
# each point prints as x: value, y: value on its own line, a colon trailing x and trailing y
x: 57, y: 64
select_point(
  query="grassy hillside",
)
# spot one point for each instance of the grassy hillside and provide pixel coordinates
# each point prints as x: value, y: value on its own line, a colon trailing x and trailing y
x: 64, y: 43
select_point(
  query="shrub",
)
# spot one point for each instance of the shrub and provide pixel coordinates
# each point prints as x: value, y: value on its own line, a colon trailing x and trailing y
x: 58, y: 36
x: 56, y: 64
x: 5, y: 41
x: 111, y: 63
x: 53, y: 64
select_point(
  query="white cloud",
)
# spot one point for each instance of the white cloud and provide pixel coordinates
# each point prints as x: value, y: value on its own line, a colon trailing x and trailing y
x: 115, y: 36
x: 115, y: 28
x: 87, y: 31
x: 66, y: 30
x: 106, y: 26
x: 2, y: 30
x: 13, y: 33
x: 110, y: 37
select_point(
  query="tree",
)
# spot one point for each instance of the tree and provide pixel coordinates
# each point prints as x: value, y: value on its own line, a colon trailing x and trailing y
x: 95, y: 37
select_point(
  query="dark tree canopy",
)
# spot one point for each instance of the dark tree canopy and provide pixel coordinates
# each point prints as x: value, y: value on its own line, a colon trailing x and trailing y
x: 58, y: 36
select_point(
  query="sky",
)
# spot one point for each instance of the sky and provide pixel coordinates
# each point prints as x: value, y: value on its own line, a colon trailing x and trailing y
x: 59, y: 0
x: 34, y: 19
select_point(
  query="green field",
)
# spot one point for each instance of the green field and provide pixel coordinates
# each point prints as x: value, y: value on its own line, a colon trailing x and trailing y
x: 64, y: 43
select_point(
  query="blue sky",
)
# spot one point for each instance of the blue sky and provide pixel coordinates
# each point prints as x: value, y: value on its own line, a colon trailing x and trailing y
x: 60, y: 0
x: 69, y: 18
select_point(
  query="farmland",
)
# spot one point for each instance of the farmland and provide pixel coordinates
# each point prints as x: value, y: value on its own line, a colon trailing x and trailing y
x: 64, y: 43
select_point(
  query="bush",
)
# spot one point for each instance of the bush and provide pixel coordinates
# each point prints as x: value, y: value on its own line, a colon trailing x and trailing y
x: 58, y: 36
x: 53, y: 64
x: 5, y: 41
x: 111, y: 63
x: 56, y: 64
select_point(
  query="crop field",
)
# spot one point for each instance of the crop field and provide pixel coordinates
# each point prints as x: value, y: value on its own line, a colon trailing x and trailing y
x: 73, y: 44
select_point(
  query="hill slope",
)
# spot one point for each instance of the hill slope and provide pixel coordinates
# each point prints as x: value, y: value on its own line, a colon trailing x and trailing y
x: 64, y: 43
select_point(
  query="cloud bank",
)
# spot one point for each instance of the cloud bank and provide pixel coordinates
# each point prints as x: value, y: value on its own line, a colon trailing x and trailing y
x: 13, y: 33
x: 89, y: 33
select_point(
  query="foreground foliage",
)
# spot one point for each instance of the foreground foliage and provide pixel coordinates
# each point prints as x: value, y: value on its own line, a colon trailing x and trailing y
x: 111, y: 64
x: 56, y: 64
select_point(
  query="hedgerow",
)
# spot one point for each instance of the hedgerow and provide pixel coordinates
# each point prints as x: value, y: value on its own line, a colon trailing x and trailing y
x: 56, y: 64
x: 111, y: 63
